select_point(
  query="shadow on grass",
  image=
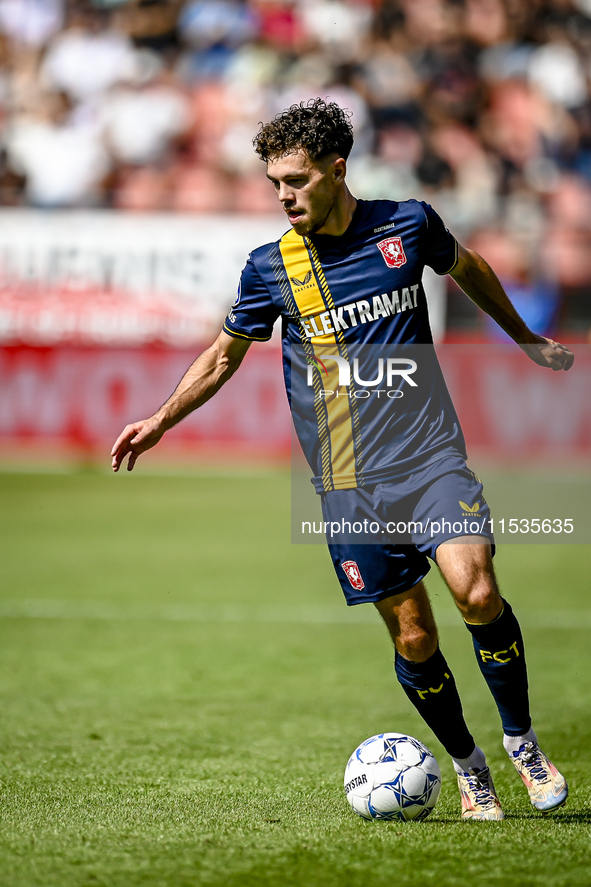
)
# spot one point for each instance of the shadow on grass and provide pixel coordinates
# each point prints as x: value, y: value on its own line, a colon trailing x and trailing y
x: 580, y: 817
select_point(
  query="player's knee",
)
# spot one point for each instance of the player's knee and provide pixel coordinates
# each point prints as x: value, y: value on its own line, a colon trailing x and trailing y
x: 481, y: 601
x: 417, y: 642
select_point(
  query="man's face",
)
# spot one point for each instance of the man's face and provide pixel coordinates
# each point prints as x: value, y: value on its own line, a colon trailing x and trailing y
x: 306, y: 188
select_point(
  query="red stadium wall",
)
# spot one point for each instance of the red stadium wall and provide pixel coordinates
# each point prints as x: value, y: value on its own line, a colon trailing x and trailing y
x: 80, y: 398
x: 510, y: 408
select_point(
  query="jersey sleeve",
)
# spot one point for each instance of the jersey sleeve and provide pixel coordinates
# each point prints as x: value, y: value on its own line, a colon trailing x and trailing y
x: 253, y: 313
x: 440, y: 247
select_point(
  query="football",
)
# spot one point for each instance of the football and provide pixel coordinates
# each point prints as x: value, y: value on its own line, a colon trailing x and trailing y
x: 392, y: 776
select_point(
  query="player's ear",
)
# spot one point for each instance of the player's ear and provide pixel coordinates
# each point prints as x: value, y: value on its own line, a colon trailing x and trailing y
x: 340, y: 169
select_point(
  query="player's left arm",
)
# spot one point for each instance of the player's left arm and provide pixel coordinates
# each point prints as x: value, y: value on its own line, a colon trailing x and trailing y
x: 477, y: 279
x: 203, y: 379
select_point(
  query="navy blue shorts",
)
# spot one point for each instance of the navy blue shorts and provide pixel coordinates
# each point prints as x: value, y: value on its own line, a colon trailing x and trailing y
x: 380, y: 543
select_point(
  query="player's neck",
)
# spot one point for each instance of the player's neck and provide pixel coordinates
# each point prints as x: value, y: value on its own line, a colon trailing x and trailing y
x: 341, y: 215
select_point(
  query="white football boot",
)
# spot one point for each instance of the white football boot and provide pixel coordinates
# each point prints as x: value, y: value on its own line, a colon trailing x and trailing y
x: 479, y: 798
x: 547, y: 787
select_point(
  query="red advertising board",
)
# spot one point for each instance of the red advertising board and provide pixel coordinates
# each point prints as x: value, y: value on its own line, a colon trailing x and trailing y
x: 511, y: 408
x: 82, y: 397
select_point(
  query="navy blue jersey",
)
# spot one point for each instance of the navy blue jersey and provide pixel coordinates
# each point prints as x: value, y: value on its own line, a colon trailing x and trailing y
x: 340, y: 300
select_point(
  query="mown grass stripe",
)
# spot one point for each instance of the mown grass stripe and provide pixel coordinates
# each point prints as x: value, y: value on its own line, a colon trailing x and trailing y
x: 51, y: 608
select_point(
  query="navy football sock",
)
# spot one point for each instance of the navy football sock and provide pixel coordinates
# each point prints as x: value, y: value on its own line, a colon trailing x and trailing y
x: 499, y: 650
x: 431, y: 688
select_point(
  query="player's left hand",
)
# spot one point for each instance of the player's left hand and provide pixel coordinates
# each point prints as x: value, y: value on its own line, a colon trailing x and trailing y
x: 548, y: 353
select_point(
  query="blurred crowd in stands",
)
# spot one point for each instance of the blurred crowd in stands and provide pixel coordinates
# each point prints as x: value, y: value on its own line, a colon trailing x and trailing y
x: 481, y: 107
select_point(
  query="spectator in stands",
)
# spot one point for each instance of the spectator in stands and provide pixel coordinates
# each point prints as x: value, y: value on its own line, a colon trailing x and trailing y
x: 31, y: 22
x: 63, y: 161
x: 87, y: 58
x: 141, y: 119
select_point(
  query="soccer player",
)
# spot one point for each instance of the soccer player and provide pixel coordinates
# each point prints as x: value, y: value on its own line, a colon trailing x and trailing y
x: 346, y: 275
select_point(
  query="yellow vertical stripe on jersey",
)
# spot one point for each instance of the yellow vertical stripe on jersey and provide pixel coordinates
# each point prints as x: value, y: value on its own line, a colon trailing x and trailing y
x: 340, y: 337
x: 298, y: 266
x: 310, y: 301
x: 340, y: 425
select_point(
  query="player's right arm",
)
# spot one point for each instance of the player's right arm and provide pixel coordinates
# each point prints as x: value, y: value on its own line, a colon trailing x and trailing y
x: 201, y: 381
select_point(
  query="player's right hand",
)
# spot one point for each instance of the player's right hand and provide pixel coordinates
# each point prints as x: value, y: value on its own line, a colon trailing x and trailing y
x: 135, y: 439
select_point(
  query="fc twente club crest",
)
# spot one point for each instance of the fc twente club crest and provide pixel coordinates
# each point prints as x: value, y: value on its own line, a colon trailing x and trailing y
x: 354, y: 575
x: 393, y: 252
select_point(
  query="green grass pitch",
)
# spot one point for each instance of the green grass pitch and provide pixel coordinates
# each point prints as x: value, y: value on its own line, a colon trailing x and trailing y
x: 180, y: 689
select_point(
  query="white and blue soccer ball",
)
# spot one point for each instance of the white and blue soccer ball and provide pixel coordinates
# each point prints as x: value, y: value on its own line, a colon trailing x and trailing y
x: 392, y: 776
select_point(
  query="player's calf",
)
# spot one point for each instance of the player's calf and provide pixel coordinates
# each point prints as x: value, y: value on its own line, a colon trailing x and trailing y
x: 499, y: 650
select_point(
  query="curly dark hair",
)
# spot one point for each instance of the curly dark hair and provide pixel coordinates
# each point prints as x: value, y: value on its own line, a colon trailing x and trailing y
x: 320, y: 128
